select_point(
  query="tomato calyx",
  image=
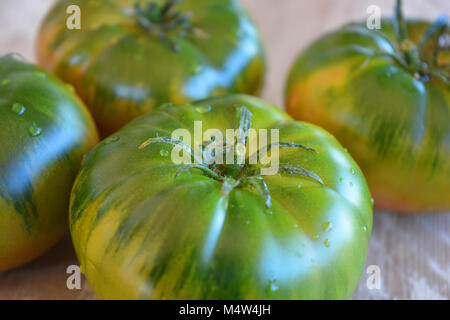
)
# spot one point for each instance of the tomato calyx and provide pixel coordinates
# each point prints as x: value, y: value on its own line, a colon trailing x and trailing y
x: 161, y: 21
x: 240, y: 173
x: 422, y: 59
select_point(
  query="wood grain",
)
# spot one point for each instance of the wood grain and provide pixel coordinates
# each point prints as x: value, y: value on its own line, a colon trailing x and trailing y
x: 412, y: 252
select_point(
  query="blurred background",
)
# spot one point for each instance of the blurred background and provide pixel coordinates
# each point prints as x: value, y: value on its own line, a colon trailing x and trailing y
x: 413, y: 253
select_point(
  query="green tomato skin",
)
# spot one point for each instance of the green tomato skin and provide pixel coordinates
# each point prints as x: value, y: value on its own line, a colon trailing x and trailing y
x: 121, y: 71
x: 395, y: 126
x: 139, y: 233
x: 45, y: 131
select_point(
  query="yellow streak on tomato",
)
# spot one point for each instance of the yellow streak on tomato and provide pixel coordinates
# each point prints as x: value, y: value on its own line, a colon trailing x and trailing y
x: 303, y: 102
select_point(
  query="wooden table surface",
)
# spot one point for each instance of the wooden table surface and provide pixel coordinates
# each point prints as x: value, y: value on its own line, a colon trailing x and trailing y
x: 412, y: 252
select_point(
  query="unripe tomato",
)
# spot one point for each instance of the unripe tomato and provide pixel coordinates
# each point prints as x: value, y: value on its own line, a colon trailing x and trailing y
x: 131, y: 56
x: 386, y: 97
x: 145, y: 227
x: 45, y: 130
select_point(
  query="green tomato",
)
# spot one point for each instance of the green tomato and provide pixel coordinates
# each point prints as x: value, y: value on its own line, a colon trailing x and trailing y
x: 389, y: 104
x: 127, y: 59
x: 45, y: 131
x: 145, y: 227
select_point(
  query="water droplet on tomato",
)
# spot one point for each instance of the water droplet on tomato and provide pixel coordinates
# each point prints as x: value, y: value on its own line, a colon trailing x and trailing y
x: 326, y: 243
x: 316, y: 237
x: 163, y: 153
x: 203, y: 108
x: 76, y: 59
x: 299, y: 186
x: 272, y: 286
x: 352, y: 171
x: 113, y: 139
x: 248, y: 222
x: 18, y: 108
x: 364, y: 228
x: 327, y: 226
x: 39, y: 74
x: 350, y: 184
x: 372, y: 200
x: 34, y: 130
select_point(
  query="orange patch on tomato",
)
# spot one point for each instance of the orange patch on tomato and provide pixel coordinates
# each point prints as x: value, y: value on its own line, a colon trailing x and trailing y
x: 305, y: 101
